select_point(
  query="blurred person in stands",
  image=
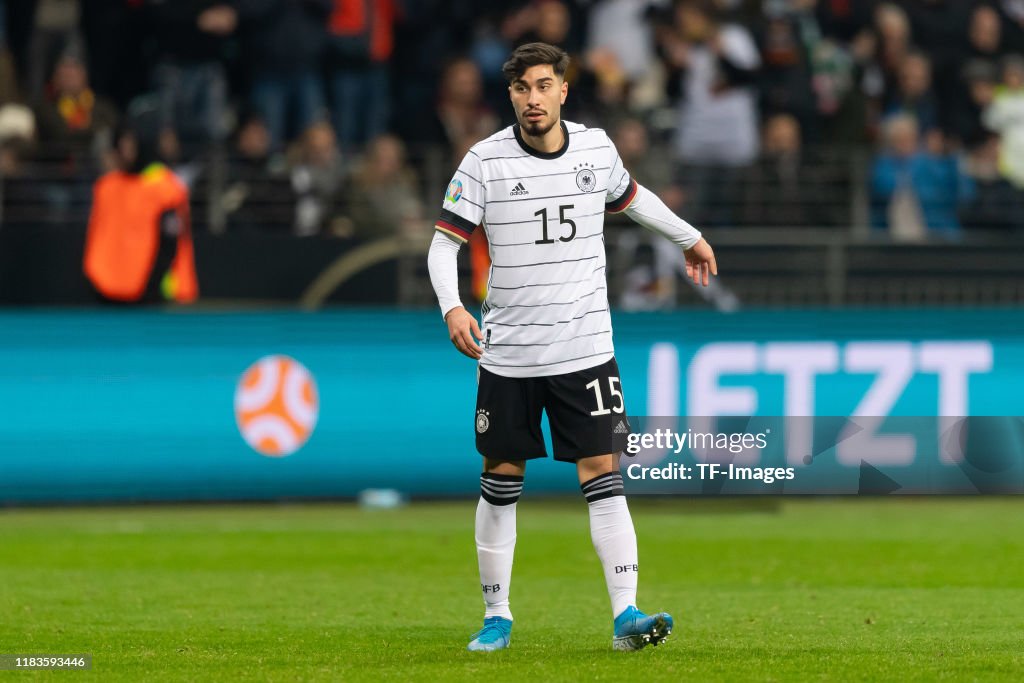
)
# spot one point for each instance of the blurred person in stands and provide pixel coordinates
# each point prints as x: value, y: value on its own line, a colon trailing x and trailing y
x: 716, y: 135
x: 55, y: 26
x: 119, y: 68
x: 258, y: 194
x: 192, y: 38
x: 996, y: 204
x: 462, y: 115
x: 1005, y: 116
x: 75, y: 124
x: 915, y: 192
x: 602, y: 90
x: 913, y: 94
x: 789, y: 37
x: 791, y: 186
x: 891, y: 42
x: 22, y: 193
x: 939, y: 28
x: 977, y: 85
x: 984, y: 34
x: 317, y: 178
x: 138, y: 246
x: 649, y: 264
x: 1012, y: 14
x: 383, y: 197
x: 622, y: 26
x: 284, y: 48
x: 359, y: 48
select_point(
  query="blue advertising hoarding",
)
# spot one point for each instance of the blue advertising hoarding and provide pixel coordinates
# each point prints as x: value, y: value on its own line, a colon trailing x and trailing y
x: 126, y: 405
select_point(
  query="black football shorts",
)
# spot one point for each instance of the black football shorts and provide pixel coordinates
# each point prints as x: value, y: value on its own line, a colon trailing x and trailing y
x: 586, y: 412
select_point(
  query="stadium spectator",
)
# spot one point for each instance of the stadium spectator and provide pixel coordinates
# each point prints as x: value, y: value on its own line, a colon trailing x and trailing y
x: 892, y: 44
x: 360, y: 45
x: 788, y: 41
x: 462, y: 116
x: 984, y: 34
x: 285, y: 41
x: 258, y: 195
x: 716, y: 134
x: 648, y: 264
x: 912, y: 93
x: 192, y: 38
x: 22, y: 192
x: 916, y: 193
x: 55, y: 27
x: 1012, y: 14
x: 600, y: 90
x: 977, y: 87
x: 383, y: 197
x: 996, y: 204
x: 787, y: 189
x: 119, y: 69
x: 1006, y: 116
x: 317, y: 179
x: 622, y: 27
x: 73, y: 120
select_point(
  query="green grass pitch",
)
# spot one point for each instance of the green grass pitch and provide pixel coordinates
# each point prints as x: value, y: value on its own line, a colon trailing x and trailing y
x: 763, y: 590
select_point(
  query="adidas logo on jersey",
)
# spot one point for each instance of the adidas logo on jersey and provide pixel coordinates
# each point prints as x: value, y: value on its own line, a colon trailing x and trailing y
x: 518, y: 190
x: 621, y: 428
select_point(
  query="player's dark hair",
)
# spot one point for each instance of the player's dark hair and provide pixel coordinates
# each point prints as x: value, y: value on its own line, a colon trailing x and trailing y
x: 532, y: 54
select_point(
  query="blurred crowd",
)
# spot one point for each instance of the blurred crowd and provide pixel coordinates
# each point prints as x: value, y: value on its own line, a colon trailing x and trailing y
x: 345, y: 117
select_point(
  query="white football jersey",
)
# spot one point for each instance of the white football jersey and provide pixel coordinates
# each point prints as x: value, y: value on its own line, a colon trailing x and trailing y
x: 546, y: 311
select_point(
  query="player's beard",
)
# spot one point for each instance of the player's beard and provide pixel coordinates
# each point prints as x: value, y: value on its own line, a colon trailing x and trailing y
x: 536, y: 129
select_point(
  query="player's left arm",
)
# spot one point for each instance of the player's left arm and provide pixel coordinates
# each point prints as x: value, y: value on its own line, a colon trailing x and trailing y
x: 625, y: 195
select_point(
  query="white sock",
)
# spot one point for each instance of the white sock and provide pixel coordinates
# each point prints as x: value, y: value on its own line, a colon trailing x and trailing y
x: 496, y: 539
x: 611, y: 529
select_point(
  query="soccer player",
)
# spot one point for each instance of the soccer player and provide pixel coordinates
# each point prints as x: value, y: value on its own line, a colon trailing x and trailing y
x: 540, y: 189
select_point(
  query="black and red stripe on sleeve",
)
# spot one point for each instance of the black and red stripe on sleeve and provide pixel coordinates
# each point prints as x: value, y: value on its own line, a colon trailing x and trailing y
x: 454, y: 225
x: 620, y: 204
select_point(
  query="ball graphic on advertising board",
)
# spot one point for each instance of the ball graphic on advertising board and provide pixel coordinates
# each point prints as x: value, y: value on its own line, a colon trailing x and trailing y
x: 276, y: 405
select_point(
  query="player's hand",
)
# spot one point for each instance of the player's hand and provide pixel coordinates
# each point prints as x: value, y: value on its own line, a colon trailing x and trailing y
x: 700, y: 262
x: 464, y: 331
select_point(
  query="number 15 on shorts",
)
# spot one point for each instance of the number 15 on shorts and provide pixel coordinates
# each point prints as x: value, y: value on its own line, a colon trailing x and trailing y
x: 615, y: 393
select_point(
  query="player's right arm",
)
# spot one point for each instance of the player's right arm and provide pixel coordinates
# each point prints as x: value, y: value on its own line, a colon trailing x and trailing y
x: 461, y: 212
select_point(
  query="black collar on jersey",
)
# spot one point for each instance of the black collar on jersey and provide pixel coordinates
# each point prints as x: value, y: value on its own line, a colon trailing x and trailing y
x: 537, y: 153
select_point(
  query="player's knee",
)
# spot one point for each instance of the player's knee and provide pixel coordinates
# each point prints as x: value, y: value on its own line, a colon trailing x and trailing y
x: 595, y: 466
x: 515, y: 468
